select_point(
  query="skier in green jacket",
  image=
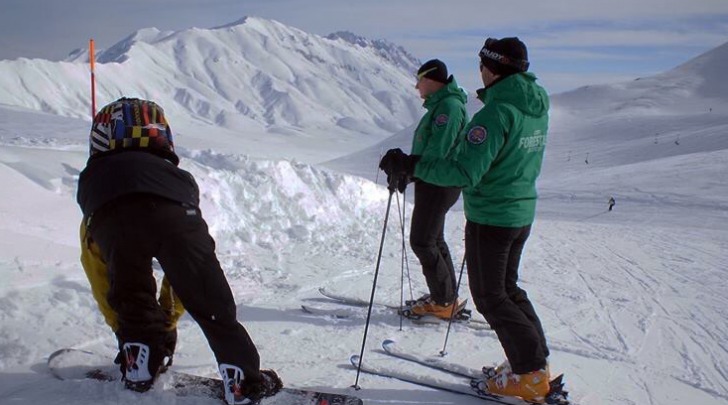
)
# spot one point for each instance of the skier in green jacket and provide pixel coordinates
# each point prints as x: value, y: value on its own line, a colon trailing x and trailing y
x: 434, y: 137
x: 497, y: 163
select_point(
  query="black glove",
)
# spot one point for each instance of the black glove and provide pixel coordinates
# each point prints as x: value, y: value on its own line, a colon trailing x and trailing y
x: 398, y: 183
x: 396, y: 162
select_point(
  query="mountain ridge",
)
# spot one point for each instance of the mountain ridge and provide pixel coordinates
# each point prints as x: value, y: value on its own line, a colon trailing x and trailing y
x: 252, y: 73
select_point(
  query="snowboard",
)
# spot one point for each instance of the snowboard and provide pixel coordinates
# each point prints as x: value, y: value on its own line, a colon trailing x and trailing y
x: 76, y: 364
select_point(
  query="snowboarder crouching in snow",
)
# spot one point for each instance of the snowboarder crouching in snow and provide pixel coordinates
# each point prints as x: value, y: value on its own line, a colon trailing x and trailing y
x: 138, y: 205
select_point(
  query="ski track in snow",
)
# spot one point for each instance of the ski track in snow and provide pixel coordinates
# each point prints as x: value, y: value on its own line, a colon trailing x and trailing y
x: 588, y: 316
x: 620, y: 296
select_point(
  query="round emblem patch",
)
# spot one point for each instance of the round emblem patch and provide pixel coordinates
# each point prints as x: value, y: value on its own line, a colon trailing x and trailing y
x: 477, y: 135
x: 441, y: 120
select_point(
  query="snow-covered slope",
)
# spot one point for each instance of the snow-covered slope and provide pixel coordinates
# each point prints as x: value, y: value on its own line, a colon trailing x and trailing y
x: 646, y: 142
x: 691, y: 88
x: 247, y: 75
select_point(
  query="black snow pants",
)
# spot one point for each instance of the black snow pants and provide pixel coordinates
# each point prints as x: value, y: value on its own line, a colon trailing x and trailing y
x: 493, y: 255
x: 427, y: 238
x: 133, y: 229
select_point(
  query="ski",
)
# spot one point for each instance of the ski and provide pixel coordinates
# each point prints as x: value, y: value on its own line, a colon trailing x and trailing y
x: 340, y: 313
x: 468, y: 377
x: 462, y: 386
x: 348, y: 313
x: 391, y: 348
x: 476, y: 324
x: 353, y: 301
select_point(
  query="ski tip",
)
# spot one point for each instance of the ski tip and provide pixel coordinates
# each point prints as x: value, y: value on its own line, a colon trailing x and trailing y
x: 322, y: 290
x: 354, y: 360
x: 558, y: 380
x: 386, y: 343
x: 59, y: 352
x: 52, y: 357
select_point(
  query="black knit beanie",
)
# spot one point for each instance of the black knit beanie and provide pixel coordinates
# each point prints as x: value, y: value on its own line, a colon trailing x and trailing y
x: 433, y: 69
x: 504, y: 56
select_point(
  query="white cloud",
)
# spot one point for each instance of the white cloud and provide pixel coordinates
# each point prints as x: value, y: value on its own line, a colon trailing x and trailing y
x: 556, y: 82
x: 629, y: 38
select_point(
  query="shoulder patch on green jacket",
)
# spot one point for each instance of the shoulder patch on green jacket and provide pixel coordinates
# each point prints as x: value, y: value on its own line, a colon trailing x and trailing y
x: 477, y: 135
x: 441, y: 120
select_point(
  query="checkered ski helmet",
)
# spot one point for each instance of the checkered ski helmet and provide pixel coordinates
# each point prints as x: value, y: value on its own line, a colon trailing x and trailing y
x: 132, y: 124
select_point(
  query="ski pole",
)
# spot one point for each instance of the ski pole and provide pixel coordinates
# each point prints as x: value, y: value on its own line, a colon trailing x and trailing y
x: 91, y: 61
x: 401, y: 273
x: 443, y: 352
x: 405, y: 262
x: 392, y: 188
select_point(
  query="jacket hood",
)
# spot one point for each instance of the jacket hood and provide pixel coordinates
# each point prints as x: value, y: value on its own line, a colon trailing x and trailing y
x: 519, y: 90
x: 451, y: 89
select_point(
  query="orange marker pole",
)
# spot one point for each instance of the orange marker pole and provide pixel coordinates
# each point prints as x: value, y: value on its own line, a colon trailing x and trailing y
x: 92, y: 61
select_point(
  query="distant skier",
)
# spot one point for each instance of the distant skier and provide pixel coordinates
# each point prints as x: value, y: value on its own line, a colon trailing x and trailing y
x: 611, y: 203
x: 437, y: 131
x: 139, y: 205
x: 498, y: 164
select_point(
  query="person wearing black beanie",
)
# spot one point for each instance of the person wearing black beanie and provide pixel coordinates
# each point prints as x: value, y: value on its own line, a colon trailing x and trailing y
x: 497, y: 164
x: 504, y: 57
x: 437, y: 131
x: 433, y: 69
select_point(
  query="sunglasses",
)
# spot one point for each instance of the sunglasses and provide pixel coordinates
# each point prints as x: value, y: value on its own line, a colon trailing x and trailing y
x: 419, y: 76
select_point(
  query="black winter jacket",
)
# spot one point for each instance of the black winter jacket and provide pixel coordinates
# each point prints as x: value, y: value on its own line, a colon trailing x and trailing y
x: 110, y: 176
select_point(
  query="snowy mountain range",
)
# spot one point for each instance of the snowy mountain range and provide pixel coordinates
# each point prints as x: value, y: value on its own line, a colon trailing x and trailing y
x: 632, y: 301
x: 692, y: 87
x: 247, y: 76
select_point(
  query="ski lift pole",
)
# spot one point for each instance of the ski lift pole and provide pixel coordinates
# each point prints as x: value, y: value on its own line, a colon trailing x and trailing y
x: 443, y: 352
x: 92, y: 62
x: 392, y: 188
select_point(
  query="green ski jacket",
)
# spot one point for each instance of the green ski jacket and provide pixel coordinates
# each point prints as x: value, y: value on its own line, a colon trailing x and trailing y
x: 498, y: 155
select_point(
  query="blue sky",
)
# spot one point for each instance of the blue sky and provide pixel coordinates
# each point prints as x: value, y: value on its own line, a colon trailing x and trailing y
x: 571, y: 42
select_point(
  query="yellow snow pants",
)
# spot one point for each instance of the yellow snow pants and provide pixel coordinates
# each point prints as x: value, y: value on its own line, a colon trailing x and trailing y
x: 96, y: 272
